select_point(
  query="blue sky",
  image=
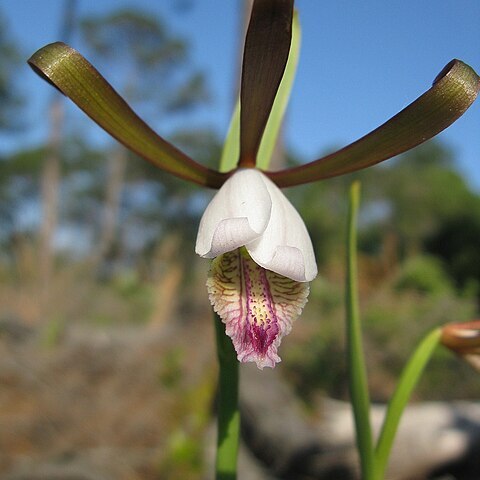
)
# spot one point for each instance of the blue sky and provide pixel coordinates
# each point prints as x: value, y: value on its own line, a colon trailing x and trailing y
x: 360, y: 63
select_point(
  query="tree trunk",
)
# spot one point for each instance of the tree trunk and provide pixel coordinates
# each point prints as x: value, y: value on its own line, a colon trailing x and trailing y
x: 50, y: 178
x: 168, y: 285
x: 117, y: 162
x: 49, y: 191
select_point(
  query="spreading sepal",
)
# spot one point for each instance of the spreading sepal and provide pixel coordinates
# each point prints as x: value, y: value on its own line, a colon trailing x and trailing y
x: 68, y: 71
x: 454, y: 89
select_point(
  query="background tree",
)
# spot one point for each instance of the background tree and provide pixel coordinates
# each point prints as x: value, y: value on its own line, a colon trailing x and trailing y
x: 10, y: 104
x: 10, y: 98
x: 50, y: 177
x: 151, y: 72
x: 411, y: 198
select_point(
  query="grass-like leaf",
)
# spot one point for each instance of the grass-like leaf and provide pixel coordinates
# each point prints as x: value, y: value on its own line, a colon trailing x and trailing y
x: 357, y: 374
x: 408, y: 381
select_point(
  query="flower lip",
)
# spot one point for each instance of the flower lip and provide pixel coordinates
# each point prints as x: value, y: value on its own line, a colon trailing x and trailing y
x: 257, y: 306
x: 250, y: 210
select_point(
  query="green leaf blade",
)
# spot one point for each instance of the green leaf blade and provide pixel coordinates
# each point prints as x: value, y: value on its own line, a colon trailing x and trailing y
x: 231, y: 147
x: 357, y: 373
x: 407, y: 383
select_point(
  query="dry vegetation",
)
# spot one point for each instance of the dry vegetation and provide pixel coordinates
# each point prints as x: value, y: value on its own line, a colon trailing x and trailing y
x: 115, y: 378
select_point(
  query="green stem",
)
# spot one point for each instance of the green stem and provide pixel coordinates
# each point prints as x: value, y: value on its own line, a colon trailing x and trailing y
x: 355, y: 356
x: 228, y: 413
x: 408, y: 380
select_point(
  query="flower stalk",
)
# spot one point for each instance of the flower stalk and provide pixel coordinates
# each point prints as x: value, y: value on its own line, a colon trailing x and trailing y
x: 228, y: 426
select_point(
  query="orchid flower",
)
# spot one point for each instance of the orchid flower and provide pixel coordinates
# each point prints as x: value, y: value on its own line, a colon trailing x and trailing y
x: 263, y: 256
x: 256, y: 291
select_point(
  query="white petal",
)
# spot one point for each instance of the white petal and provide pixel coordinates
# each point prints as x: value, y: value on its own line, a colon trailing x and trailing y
x: 238, y: 214
x: 285, y: 246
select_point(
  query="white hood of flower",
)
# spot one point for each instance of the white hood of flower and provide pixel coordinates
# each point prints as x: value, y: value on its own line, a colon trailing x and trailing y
x: 250, y: 210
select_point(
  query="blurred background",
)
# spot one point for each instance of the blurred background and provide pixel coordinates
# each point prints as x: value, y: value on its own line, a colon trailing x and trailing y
x: 107, y: 361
